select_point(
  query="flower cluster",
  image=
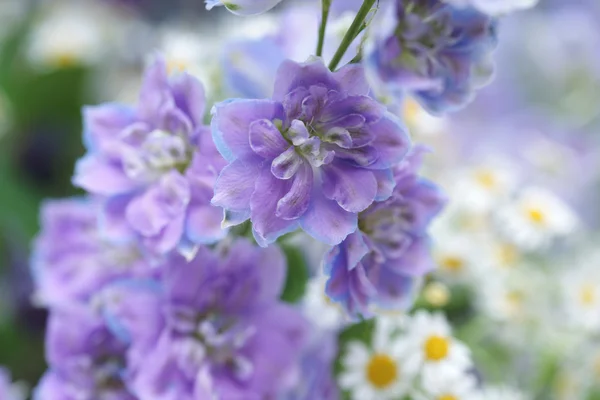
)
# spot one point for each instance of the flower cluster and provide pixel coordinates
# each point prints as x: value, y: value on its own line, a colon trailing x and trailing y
x: 433, y: 51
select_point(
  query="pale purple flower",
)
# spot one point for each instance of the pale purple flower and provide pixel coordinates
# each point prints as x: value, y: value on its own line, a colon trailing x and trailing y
x: 72, y: 260
x: 312, y: 157
x: 86, y: 360
x: 155, y: 164
x: 213, y: 327
x: 438, y: 53
x: 380, y: 264
x: 8, y: 389
x: 243, y: 7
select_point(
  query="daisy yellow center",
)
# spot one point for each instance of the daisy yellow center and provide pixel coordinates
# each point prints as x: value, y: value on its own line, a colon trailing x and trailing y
x: 514, y: 300
x: 447, y: 397
x: 452, y: 263
x: 508, y: 254
x: 587, y: 295
x: 436, y: 348
x: 65, y: 60
x: 536, y: 216
x: 381, y: 371
x: 487, y: 179
x: 175, y: 65
x: 436, y: 294
x: 411, y: 110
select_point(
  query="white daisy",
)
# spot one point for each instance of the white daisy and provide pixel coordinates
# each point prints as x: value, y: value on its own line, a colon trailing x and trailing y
x: 456, y: 256
x: 451, y: 384
x: 581, y: 296
x: 317, y: 307
x: 483, y: 187
x: 377, y: 372
x: 428, y: 345
x: 535, y: 218
x: 72, y: 33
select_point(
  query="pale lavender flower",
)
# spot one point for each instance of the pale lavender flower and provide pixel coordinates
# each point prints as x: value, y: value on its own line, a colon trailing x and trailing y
x: 380, y: 264
x: 438, y: 53
x: 8, y: 389
x: 86, y: 360
x: 71, y: 260
x: 214, y: 327
x: 312, y: 157
x: 155, y: 164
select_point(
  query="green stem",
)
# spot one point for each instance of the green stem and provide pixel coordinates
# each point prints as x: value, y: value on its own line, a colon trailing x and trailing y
x: 326, y: 5
x: 353, y: 31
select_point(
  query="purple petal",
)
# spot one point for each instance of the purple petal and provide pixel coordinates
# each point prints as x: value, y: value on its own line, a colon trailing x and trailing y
x: 189, y: 97
x: 287, y: 164
x: 385, y: 183
x: 113, y: 223
x: 155, y: 91
x: 391, y: 141
x: 168, y: 238
x: 101, y: 177
x: 370, y: 109
x: 295, y: 202
x: 298, y: 133
x: 105, y: 123
x: 272, y: 268
x: 231, y: 124
x: 326, y: 221
x: 235, y: 185
x: 352, y: 79
x: 204, y: 224
x: 266, y: 140
x: 365, y: 156
x: 292, y: 75
x: 263, y: 204
x: 353, y: 188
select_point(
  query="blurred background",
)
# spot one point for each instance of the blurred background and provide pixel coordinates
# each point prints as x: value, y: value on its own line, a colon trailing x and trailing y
x: 530, y: 141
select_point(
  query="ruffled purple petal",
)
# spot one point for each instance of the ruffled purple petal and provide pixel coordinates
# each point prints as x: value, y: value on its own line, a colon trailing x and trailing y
x: 354, y: 189
x: 391, y: 141
x: 296, y: 201
x: 326, y: 221
x: 266, y: 140
x: 101, y: 177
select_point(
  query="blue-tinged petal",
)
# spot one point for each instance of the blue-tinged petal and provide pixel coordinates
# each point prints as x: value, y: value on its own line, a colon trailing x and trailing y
x: 352, y: 79
x: 235, y: 185
x: 353, y: 188
x: 189, y: 97
x: 203, y: 224
x: 292, y: 75
x: 391, y: 141
x: 385, y: 183
x: 326, y: 221
x: 231, y: 124
x: 295, y: 202
x: 267, y: 226
x: 266, y: 140
x: 104, y: 123
x: 101, y: 177
x: 287, y: 164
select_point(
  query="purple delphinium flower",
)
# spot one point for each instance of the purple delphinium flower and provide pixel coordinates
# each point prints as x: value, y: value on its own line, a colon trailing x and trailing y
x: 431, y: 50
x: 155, y: 164
x: 380, y: 263
x: 86, y: 360
x: 71, y: 260
x: 316, y: 364
x: 8, y: 389
x: 313, y: 156
x: 214, y: 327
x: 243, y: 7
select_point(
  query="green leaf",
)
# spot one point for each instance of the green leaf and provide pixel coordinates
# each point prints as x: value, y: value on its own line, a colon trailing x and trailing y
x: 297, y: 274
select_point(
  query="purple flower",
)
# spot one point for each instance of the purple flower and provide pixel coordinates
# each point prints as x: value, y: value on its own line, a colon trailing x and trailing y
x: 215, y: 327
x: 313, y: 156
x: 71, y: 260
x: 433, y: 51
x: 316, y: 366
x: 86, y: 360
x: 380, y: 263
x: 154, y: 164
x: 9, y: 390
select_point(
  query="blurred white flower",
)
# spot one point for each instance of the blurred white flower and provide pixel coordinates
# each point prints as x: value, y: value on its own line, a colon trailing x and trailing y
x: 376, y: 372
x: 457, y: 256
x: 317, y: 307
x: 581, y: 295
x: 72, y: 33
x: 428, y: 346
x: 535, y: 218
x: 450, y: 385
